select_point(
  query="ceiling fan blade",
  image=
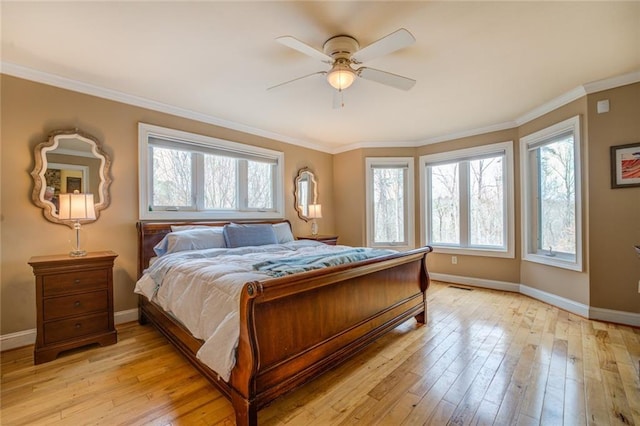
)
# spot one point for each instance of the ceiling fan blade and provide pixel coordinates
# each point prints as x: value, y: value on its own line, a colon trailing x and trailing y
x: 296, y: 44
x: 390, y: 43
x: 383, y: 77
x: 296, y: 79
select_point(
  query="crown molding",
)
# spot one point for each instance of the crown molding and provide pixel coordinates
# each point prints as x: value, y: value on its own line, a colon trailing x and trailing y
x: 114, y: 95
x: 612, y: 83
x: 101, y: 92
x: 423, y: 142
x: 577, y: 93
x: 552, y: 105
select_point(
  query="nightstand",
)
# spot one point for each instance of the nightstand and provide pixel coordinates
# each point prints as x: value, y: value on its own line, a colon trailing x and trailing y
x: 74, y: 302
x: 331, y: 240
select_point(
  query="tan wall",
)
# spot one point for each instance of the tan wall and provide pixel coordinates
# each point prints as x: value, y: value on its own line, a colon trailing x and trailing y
x: 350, y: 185
x: 489, y: 268
x: 562, y: 282
x: 614, y: 225
x: 349, y: 182
x: 30, y: 111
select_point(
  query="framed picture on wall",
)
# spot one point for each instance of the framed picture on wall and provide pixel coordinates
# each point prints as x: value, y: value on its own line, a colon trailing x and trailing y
x: 74, y: 184
x: 625, y: 165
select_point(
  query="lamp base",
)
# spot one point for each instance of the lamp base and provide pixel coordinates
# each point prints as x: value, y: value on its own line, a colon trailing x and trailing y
x: 77, y: 253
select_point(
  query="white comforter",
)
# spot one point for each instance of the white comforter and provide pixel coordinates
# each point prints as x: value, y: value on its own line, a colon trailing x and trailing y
x: 183, y: 284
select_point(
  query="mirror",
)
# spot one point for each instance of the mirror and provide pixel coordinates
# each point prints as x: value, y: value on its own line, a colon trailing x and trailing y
x: 68, y: 161
x: 306, y: 192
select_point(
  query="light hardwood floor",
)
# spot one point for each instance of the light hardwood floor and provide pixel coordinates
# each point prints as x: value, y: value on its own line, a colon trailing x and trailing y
x: 485, y: 357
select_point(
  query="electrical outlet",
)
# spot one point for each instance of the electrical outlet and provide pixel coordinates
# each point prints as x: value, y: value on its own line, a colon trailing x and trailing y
x: 638, y: 286
x: 454, y: 260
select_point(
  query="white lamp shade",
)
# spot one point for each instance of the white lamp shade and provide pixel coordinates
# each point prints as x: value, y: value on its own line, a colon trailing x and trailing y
x: 341, y: 77
x: 76, y: 207
x: 315, y: 211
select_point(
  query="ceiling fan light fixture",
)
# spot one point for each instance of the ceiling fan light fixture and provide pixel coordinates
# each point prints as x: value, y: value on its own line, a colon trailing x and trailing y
x: 341, y: 76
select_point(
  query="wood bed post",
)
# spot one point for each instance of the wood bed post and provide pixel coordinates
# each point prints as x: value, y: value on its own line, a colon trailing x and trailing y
x: 243, y: 388
x: 246, y: 411
x: 421, y: 318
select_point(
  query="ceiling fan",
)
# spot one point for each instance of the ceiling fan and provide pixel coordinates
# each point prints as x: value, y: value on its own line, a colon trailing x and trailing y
x: 343, y: 52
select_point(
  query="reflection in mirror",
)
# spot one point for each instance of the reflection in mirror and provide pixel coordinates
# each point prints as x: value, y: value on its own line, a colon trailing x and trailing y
x: 306, y: 192
x: 70, y: 161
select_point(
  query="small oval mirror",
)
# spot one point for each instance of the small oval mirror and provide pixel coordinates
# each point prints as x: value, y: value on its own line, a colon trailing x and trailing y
x: 306, y: 192
x: 70, y: 161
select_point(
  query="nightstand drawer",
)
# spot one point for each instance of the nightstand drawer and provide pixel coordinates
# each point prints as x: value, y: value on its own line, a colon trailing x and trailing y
x: 77, y: 281
x: 66, y: 306
x: 57, y: 331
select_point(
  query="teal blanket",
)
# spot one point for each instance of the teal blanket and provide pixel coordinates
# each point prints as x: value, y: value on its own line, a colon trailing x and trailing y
x: 293, y: 265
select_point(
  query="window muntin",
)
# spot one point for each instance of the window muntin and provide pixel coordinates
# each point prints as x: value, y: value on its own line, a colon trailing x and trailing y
x: 551, y: 196
x: 389, y: 202
x: 468, y: 200
x: 189, y: 176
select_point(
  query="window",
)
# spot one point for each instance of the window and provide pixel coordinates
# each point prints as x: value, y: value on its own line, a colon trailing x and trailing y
x: 389, y: 202
x: 189, y: 176
x: 468, y: 202
x: 550, y: 165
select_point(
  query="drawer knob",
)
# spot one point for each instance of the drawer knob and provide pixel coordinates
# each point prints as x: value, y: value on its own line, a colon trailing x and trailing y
x: 78, y: 325
x: 76, y: 281
x: 77, y: 304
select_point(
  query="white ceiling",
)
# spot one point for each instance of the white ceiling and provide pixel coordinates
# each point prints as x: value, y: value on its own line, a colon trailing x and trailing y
x: 478, y: 65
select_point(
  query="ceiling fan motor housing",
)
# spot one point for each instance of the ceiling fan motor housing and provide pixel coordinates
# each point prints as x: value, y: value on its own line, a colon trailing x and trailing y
x: 341, y: 47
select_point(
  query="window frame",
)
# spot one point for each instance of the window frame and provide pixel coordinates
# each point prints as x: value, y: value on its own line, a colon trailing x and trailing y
x: 145, y: 178
x: 457, y: 156
x: 393, y: 162
x: 529, y: 223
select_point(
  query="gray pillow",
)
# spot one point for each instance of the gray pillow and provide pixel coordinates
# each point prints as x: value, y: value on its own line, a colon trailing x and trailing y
x: 236, y: 235
x: 283, y: 232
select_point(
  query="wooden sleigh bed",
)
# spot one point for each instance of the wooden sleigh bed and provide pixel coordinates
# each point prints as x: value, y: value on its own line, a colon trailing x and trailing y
x: 296, y: 327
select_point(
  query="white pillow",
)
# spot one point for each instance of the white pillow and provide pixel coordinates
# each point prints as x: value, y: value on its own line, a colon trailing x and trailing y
x: 283, y: 232
x: 191, y: 239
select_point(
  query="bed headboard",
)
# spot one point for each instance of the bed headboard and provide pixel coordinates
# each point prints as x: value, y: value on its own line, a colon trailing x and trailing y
x: 151, y: 233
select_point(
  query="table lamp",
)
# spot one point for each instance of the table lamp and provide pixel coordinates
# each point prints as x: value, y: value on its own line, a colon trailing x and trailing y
x: 76, y: 207
x: 315, y: 212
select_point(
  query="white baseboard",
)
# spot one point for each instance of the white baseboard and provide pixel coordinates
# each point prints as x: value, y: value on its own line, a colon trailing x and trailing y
x: 17, y: 340
x: 126, y: 316
x: 476, y: 282
x: 601, y: 314
x: 620, y: 317
x: 552, y: 299
x: 28, y: 337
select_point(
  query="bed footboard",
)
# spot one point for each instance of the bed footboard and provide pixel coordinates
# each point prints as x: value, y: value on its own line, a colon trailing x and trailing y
x: 297, y: 327
x: 294, y: 328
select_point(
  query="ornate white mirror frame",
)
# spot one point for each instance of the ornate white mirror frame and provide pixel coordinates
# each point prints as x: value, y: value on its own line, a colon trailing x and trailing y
x: 80, y: 157
x: 306, y: 192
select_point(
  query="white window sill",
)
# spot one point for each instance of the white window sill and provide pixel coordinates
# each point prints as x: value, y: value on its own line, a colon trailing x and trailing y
x: 399, y: 247
x: 557, y: 261
x: 508, y: 254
